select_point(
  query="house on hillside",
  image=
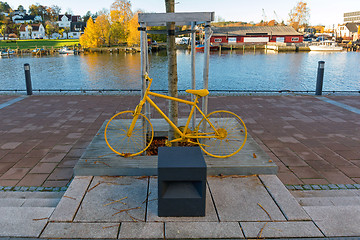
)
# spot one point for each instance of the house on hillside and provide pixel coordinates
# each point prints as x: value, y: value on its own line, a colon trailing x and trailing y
x: 21, y: 17
x: 76, y: 29
x: 66, y: 20
x: 32, y: 31
x: 255, y: 35
x: 348, y: 31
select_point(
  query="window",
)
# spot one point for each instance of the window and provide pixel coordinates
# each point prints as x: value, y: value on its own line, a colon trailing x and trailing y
x: 217, y: 40
x: 295, y: 39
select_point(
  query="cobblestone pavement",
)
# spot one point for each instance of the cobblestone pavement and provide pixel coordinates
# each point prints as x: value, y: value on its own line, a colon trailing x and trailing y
x: 312, y: 141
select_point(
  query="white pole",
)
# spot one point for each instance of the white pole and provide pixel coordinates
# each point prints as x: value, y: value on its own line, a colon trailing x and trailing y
x: 193, y: 82
x: 206, y: 65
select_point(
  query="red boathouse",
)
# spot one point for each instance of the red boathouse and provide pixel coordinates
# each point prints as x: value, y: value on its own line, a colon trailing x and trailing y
x: 255, y: 35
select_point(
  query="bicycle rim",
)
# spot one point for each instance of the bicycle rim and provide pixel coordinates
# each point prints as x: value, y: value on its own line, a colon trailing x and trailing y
x: 231, y: 138
x: 128, y: 146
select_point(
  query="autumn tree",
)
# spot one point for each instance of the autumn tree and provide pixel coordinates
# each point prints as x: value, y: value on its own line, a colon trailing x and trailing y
x: 299, y: 15
x: 120, y: 16
x: 133, y: 37
x: 91, y: 36
x: 102, y: 23
x: 51, y: 28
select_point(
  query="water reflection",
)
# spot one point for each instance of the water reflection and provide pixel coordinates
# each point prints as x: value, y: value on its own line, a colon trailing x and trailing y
x: 229, y: 70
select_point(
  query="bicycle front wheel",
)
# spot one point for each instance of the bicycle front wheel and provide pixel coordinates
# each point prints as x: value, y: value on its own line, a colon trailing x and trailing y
x: 229, y: 137
x: 116, y: 134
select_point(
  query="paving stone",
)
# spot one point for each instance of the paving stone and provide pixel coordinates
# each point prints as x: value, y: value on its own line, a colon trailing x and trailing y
x: 105, y: 190
x: 316, y: 187
x: 350, y: 186
x: 238, y: 199
x: 152, y: 210
x: 280, y: 230
x: 357, y: 186
x: 210, y: 230
x: 81, y: 230
x: 336, y: 221
x: 324, y: 187
x: 19, y: 221
x: 68, y: 206
x: 142, y: 230
x: 15, y: 173
x: 333, y: 186
x: 286, y: 202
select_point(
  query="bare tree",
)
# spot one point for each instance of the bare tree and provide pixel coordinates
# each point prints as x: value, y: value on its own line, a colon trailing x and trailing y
x: 172, y: 69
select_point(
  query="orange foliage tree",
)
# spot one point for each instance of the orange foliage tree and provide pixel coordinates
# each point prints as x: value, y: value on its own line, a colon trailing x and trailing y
x: 119, y: 26
x: 299, y: 15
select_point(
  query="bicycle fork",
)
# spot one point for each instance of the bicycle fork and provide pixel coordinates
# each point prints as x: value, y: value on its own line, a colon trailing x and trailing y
x: 136, y: 116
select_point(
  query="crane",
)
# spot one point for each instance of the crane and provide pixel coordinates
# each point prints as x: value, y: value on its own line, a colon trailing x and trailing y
x: 264, y: 17
x: 277, y: 18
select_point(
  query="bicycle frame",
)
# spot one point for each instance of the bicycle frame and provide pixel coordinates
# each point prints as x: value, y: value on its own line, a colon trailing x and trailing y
x: 183, y: 134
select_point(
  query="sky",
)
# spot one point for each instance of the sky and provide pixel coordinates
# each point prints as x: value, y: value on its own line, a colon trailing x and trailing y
x: 322, y: 12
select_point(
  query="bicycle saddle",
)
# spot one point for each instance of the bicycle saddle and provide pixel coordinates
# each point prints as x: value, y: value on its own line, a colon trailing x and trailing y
x: 200, y: 92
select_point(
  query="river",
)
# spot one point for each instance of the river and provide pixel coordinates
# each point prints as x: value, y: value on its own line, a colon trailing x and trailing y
x: 229, y: 70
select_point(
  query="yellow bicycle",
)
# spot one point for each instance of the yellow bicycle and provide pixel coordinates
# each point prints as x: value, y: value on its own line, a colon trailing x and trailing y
x: 219, y: 134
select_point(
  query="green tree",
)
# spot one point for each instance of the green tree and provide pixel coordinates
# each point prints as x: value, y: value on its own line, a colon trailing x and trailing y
x: 67, y: 30
x: 4, y: 7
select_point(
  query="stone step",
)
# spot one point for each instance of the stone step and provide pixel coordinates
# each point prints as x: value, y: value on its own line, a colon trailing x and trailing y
x: 329, y: 201
x: 29, y: 195
x: 325, y: 193
x: 30, y: 199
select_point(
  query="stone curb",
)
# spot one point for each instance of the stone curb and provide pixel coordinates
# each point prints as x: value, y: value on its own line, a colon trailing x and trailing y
x: 323, y: 187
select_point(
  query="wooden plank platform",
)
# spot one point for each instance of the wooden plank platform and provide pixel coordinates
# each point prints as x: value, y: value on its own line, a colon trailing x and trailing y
x: 99, y: 160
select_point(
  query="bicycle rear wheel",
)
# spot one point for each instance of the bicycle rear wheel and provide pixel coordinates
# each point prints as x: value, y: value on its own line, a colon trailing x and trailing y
x: 128, y: 146
x: 230, y: 137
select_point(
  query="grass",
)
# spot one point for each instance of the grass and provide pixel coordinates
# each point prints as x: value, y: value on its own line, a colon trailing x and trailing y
x: 40, y: 43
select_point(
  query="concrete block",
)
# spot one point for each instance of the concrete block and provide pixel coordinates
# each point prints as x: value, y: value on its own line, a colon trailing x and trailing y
x: 11, y: 202
x: 50, y: 202
x: 102, y: 201
x: 152, y: 212
x: 81, y: 230
x: 239, y: 199
x: 141, y: 230
x: 23, y: 221
x: 336, y: 221
x: 211, y: 230
x: 181, y: 182
x: 314, y: 201
x: 259, y: 230
x: 70, y: 202
x: 286, y: 202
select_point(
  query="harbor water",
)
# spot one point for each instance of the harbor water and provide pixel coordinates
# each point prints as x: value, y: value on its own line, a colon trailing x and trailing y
x: 229, y: 70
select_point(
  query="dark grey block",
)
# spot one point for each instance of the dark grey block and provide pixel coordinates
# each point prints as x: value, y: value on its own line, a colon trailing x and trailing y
x: 181, y: 182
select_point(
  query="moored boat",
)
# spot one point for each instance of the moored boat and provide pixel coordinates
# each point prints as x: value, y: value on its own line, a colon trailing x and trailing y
x: 66, y: 50
x: 202, y: 47
x: 326, y: 45
x: 7, y: 53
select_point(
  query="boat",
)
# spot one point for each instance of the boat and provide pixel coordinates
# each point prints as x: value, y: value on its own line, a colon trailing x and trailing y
x: 7, y: 53
x: 66, y: 50
x: 39, y: 51
x: 326, y: 45
x: 202, y: 47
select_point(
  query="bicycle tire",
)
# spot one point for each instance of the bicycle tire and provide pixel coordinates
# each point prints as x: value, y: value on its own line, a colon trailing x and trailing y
x: 231, y: 138
x: 128, y: 146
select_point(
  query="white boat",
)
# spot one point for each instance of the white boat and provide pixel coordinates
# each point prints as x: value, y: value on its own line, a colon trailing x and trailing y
x: 326, y: 45
x: 66, y: 50
x: 7, y: 53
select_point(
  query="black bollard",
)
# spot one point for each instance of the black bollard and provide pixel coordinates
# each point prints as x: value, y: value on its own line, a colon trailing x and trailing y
x: 28, y: 79
x: 320, y: 78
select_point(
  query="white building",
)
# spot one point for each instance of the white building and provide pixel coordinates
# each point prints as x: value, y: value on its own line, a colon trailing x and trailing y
x: 33, y: 31
x: 348, y: 31
x: 352, y: 17
x: 66, y: 20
